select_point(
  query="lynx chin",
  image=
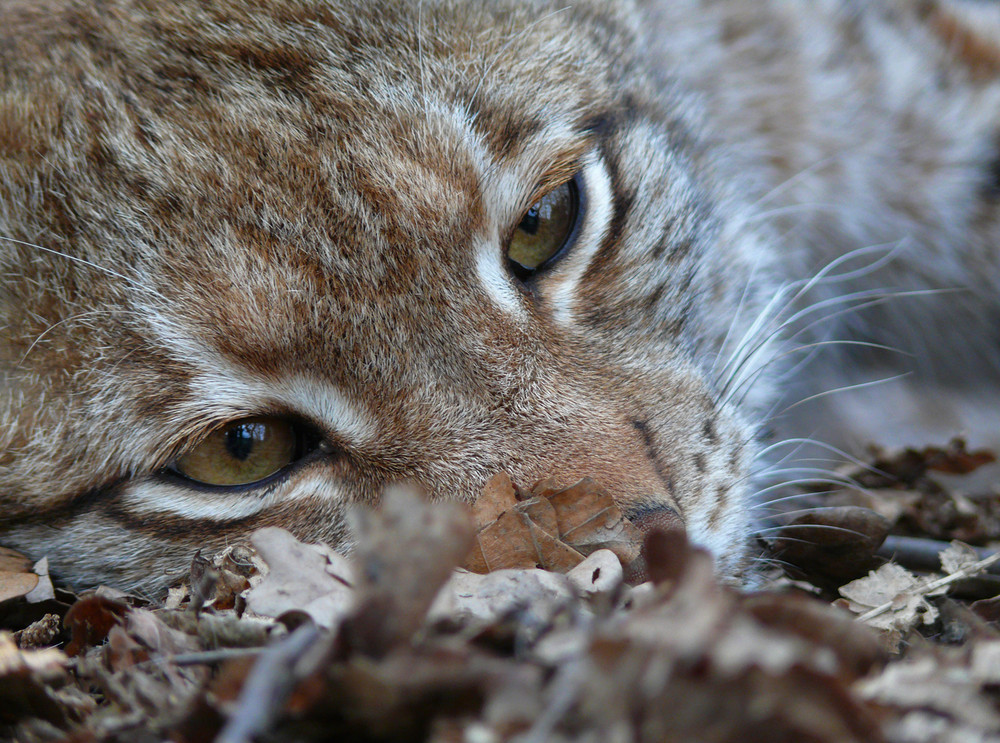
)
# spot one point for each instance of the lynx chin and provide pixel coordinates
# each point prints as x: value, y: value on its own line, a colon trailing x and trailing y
x: 259, y: 261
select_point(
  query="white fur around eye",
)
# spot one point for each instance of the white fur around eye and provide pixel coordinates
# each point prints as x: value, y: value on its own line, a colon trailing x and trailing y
x: 560, y: 286
x: 155, y: 498
x: 495, y: 279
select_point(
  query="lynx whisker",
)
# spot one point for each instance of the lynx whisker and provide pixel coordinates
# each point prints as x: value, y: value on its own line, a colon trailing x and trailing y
x: 68, y: 257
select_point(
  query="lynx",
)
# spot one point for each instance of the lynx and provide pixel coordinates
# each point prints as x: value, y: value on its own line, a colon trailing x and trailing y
x: 261, y: 260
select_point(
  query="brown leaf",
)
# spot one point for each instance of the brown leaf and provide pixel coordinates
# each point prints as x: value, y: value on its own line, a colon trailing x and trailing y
x: 90, y: 619
x: 589, y: 520
x: 18, y: 579
x: 955, y: 460
x: 515, y: 541
x: 506, y: 543
x: 542, y: 513
x: 13, y: 562
x: 16, y: 585
x: 498, y: 495
x: 149, y: 629
x: 546, y: 487
x: 122, y: 651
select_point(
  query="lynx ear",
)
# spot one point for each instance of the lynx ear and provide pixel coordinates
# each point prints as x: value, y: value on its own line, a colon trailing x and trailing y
x: 971, y: 33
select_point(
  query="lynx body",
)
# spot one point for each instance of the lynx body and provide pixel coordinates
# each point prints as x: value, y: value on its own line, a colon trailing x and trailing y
x: 290, y: 226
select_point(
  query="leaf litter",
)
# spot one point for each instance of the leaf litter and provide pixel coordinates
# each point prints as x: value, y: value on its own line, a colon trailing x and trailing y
x: 515, y: 620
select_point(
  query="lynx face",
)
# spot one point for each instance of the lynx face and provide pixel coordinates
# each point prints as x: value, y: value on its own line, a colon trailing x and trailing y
x: 263, y: 260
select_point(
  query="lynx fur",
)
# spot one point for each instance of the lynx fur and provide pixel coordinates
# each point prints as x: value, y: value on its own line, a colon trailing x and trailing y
x: 217, y: 209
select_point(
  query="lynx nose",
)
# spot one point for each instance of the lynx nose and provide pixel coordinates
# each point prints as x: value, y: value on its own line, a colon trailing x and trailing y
x: 658, y: 517
x: 649, y: 519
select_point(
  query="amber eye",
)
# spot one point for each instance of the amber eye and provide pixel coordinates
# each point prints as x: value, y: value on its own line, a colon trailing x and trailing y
x: 544, y: 230
x: 242, y: 452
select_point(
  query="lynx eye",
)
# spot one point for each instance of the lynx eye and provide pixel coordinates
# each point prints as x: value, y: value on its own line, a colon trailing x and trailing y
x: 242, y: 452
x: 544, y: 230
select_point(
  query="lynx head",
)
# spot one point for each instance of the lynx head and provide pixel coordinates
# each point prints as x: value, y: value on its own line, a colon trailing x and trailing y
x: 261, y: 260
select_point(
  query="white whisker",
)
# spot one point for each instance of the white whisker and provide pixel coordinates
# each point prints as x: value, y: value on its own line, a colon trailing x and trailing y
x: 68, y: 257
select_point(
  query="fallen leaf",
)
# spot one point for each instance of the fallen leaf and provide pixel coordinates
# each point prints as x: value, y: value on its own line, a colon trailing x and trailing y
x: 44, y: 590
x: 497, y: 496
x: 957, y: 556
x: 298, y: 578
x: 16, y: 585
x: 589, y: 520
x: 514, y: 540
x: 488, y: 598
x: 406, y: 551
x: 89, y: 621
x: 922, y: 684
x: 600, y: 574
x: 149, y: 629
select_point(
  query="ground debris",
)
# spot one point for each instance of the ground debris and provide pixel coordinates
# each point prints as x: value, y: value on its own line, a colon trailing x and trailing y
x: 549, y: 527
x: 279, y: 640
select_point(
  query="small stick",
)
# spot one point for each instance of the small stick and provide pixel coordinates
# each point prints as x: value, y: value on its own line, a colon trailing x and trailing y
x: 921, y: 553
x: 270, y: 682
x: 203, y: 657
x: 967, y: 572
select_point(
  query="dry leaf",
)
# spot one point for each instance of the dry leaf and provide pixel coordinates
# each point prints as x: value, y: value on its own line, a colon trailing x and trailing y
x: 554, y: 529
x: 25, y: 684
x: 498, y: 495
x: 17, y: 579
x: 514, y: 540
x: 46, y: 662
x: 44, y: 590
x: 589, y: 519
x: 16, y: 585
x: 600, y: 574
x: 924, y: 684
x: 406, y: 551
x: 298, y: 578
x: 957, y: 556
x: 490, y: 597
x: 148, y: 628
x: 891, y: 583
x: 90, y: 619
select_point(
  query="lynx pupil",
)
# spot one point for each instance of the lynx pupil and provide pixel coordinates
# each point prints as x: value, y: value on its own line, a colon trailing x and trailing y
x: 529, y: 223
x: 241, y: 437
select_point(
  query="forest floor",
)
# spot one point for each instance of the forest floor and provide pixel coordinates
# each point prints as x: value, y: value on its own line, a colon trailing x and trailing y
x: 877, y: 618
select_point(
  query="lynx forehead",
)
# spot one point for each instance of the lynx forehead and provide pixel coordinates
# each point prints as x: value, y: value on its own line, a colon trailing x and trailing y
x: 259, y: 261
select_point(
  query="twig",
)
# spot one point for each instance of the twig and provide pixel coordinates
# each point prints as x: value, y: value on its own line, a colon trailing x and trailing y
x: 203, y: 657
x: 270, y: 682
x: 965, y: 572
x: 920, y: 553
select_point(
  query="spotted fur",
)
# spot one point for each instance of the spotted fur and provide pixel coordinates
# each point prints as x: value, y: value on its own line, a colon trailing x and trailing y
x: 218, y: 209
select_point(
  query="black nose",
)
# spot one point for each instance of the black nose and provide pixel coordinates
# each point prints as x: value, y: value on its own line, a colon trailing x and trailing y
x: 647, y: 518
